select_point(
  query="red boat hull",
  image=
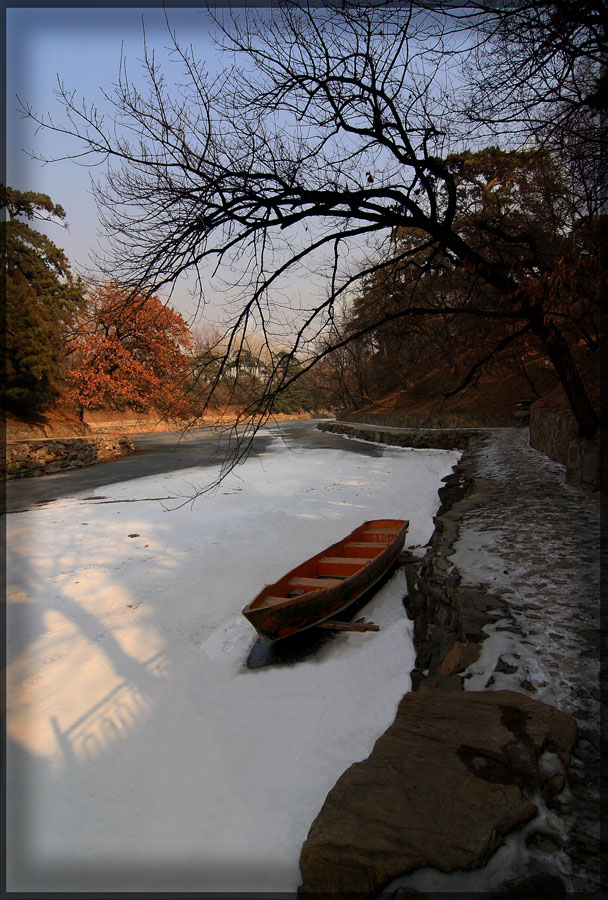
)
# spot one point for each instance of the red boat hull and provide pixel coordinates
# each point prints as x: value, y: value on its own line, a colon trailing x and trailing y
x: 349, y: 568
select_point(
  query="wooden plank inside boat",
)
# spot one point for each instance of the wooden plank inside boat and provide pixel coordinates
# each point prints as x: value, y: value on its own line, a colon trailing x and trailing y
x: 341, y: 565
x: 380, y: 535
x: 318, y: 583
x: 362, y: 548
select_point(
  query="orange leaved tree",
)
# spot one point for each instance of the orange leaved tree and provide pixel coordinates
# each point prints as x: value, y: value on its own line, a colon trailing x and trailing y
x: 130, y: 352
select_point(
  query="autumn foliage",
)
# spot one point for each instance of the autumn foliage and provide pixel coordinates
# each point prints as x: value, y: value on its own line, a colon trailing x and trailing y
x: 130, y: 352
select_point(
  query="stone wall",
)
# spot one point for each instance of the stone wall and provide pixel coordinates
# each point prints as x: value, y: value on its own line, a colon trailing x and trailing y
x: 419, y: 438
x: 551, y: 431
x: 46, y: 456
x: 448, y: 617
x: 555, y: 433
x: 587, y: 465
x: 499, y: 418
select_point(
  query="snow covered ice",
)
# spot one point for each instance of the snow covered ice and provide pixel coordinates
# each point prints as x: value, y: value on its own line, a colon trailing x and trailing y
x: 142, y: 753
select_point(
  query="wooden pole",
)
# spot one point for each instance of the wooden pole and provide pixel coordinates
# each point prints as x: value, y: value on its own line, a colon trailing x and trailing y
x: 349, y: 626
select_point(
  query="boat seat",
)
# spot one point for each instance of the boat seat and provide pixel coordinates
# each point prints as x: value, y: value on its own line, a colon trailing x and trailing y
x: 362, y: 548
x: 341, y: 565
x: 380, y: 535
x: 320, y: 583
x: 387, y: 529
x: 351, y: 560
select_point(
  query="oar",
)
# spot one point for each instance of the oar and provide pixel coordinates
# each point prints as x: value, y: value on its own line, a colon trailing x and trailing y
x: 349, y: 626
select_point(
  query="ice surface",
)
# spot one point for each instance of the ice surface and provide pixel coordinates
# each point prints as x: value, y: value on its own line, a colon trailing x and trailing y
x: 142, y: 753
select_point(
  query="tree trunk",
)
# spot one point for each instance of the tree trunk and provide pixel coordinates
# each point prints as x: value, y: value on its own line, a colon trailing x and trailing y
x: 559, y: 353
x: 553, y: 341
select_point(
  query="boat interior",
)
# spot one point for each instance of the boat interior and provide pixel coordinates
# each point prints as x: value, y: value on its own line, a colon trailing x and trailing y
x: 330, y: 567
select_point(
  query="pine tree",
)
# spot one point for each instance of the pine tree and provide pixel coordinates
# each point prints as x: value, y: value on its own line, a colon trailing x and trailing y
x: 42, y: 298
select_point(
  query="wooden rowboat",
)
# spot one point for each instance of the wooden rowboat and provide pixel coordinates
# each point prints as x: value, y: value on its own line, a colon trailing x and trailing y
x: 327, y: 583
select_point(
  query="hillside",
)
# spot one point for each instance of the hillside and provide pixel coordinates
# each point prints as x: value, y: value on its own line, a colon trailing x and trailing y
x: 500, y: 396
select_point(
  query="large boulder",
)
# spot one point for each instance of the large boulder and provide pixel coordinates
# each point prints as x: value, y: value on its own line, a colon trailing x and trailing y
x: 442, y: 787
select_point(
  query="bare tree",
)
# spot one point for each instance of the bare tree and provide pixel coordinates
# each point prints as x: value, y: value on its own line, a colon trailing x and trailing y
x: 541, y: 72
x: 326, y: 134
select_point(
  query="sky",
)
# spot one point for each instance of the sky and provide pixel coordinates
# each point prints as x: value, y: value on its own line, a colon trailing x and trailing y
x: 82, y: 48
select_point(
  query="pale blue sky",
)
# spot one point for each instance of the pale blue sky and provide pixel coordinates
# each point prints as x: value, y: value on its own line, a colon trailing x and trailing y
x: 83, y: 48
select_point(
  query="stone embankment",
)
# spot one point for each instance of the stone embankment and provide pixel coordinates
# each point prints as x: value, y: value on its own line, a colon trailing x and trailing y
x: 440, y: 418
x: 46, y: 456
x: 474, y: 754
x: 552, y: 431
x: 555, y: 432
x: 419, y: 438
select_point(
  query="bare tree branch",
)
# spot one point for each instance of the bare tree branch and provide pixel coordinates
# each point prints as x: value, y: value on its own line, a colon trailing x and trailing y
x: 330, y: 126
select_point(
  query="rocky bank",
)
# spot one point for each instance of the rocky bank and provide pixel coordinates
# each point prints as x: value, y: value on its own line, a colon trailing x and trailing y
x: 45, y: 456
x: 442, y: 787
x: 502, y: 733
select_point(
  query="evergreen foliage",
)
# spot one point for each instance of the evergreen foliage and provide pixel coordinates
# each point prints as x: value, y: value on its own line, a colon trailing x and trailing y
x: 42, y: 298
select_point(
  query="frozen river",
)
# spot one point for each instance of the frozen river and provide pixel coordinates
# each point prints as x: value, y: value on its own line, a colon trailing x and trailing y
x: 143, y: 754
x: 156, y: 454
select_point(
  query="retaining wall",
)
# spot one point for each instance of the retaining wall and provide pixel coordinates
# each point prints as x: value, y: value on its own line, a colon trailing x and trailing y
x: 46, y: 456
x: 499, y: 418
x: 555, y: 433
x: 419, y: 438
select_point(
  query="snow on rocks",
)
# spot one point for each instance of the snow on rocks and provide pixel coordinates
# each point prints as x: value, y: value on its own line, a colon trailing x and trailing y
x: 506, y: 600
x: 525, y: 548
x: 441, y: 788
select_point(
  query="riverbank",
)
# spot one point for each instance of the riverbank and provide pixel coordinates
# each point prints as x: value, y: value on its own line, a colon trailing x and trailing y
x: 507, y: 599
x: 48, y: 456
x: 57, y: 442
x: 59, y: 423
